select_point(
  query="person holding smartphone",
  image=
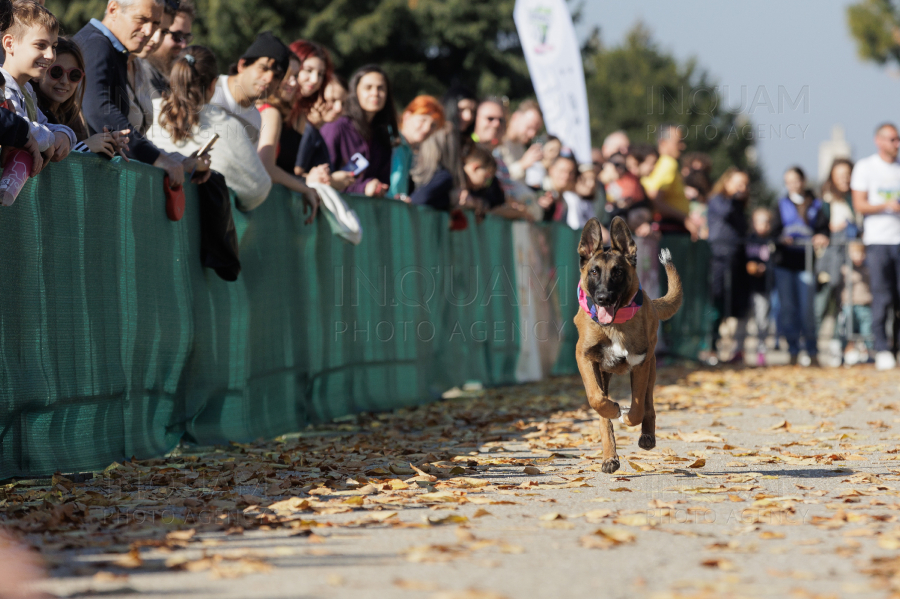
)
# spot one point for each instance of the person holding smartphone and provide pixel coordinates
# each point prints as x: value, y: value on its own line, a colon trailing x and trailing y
x: 186, y: 123
x: 366, y: 128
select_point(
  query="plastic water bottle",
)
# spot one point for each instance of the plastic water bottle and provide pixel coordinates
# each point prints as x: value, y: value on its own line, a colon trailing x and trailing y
x: 15, y: 173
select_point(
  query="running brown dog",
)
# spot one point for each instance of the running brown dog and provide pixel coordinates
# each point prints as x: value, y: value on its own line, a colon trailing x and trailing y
x: 617, y: 326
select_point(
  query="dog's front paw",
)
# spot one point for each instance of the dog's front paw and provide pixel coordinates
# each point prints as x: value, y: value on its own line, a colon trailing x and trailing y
x: 647, y: 441
x: 610, y: 465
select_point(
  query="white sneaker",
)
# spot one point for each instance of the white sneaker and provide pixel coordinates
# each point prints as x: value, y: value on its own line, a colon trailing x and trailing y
x: 851, y: 357
x: 884, y: 360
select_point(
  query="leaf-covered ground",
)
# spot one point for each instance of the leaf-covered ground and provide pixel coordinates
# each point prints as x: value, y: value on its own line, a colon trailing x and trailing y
x: 764, y: 483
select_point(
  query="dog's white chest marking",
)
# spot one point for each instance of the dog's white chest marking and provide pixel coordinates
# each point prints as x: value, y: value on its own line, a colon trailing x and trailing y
x: 616, y: 352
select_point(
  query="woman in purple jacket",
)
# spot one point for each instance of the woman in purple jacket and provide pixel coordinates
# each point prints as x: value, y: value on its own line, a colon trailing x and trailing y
x: 367, y: 127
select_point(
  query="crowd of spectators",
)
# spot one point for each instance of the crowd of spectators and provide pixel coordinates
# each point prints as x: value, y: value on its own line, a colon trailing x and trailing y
x: 284, y: 116
x: 787, y: 267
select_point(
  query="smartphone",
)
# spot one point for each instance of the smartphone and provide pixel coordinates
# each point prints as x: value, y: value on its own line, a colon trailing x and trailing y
x: 208, y: 145
x: 357, y: 164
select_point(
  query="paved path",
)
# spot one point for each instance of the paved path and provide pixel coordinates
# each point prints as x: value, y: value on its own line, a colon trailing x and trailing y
x: 764, y: 483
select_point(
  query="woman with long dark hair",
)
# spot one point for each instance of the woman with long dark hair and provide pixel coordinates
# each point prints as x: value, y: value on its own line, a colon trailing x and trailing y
x: 798, y: 219
x: 367, y: 128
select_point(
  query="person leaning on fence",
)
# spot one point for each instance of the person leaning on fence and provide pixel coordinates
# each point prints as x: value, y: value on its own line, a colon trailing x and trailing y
x: 59, y: 93
x: 313, y: 150
x: 479, y: 172
x: 875, y: 185
x: 728, y: 230
x: 172, y: 40
x: 140, y: 89
x: 562, y: 174
x: 367, y: 127
x: 29, y: 44
x: 422, y: 117
x: 185, y: 120
x: 524, y: 125
x: 279, y: 141
x: 519, y: 201
x: 798, y: 220
x: 108, y: 104
x: 16, y: 131
x: 314, y: 75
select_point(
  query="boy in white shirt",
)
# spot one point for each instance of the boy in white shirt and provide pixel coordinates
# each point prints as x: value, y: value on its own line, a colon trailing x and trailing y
x: 875, y: 185
x: 30, y: 46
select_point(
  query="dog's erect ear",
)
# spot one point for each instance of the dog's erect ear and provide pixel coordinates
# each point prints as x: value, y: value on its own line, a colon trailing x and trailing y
x: 590, y: 239
x: 622, y: 241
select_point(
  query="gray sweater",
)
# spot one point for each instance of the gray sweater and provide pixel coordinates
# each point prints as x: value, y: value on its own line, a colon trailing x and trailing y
x: 234, y: 154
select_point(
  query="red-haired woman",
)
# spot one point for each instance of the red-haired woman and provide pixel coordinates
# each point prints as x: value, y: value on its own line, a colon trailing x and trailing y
x: 422, y: 117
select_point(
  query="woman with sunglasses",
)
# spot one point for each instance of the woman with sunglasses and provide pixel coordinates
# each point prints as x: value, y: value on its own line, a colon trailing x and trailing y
x: 59, y: 93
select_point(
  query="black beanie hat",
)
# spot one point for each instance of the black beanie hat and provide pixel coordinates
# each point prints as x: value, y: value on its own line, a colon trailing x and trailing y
x: 266, y: 45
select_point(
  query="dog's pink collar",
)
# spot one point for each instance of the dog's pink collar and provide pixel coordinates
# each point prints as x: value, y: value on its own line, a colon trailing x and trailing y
x: 602, y: 317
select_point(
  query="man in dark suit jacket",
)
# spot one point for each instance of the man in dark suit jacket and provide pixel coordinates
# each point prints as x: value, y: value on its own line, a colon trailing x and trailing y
x: 126, y: 27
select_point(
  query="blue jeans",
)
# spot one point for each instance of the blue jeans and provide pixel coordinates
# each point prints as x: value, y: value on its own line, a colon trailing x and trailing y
x: 796, y: 290
x: 884, y: 280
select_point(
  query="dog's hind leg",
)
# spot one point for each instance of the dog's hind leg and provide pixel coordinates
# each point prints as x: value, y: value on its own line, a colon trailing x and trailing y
x: 648, y: 423
x: 639, y: 383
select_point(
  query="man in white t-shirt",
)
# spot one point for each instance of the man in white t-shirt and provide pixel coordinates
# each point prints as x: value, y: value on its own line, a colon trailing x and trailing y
x: 875, y: 184
x: 256, y: 75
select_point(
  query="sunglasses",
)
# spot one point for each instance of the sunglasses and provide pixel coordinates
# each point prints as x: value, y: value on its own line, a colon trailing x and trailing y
x: 74, y: 74
x: 180, y: 36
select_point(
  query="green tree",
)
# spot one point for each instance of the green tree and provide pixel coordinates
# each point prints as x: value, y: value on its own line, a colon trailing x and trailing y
x: 637, y: 87
x: 875, y: 25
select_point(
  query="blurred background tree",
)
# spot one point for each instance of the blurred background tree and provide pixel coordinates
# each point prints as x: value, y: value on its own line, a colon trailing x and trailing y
x: 637, y: 87
x: 875, y: 25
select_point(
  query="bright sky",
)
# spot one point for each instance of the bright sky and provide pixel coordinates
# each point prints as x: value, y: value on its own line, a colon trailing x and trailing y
x: 761, y: 47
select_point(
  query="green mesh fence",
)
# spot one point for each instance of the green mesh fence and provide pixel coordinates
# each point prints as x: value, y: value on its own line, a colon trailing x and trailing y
x: 116, y: 342
x: 689, y: 330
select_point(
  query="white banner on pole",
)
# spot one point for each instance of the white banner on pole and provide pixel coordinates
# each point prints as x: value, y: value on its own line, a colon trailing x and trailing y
x: 554, y: 62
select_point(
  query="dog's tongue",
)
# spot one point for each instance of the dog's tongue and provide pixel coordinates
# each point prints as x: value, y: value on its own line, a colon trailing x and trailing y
x: 605, y: 317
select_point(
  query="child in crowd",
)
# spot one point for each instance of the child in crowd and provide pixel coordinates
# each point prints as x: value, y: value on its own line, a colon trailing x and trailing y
x: 758, y: 250
x: 29, y: 44
x: 480, y: 167
x: 59, y: 93
x: 562, y: 174
x: 856, y: 299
